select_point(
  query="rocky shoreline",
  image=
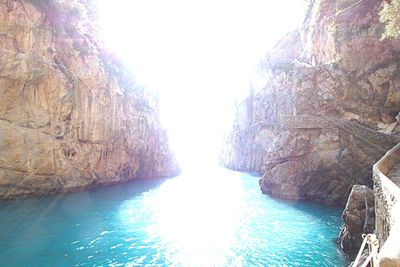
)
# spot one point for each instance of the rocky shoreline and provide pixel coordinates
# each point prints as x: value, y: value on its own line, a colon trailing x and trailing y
x: 339, y: 82
x: 335, y: 66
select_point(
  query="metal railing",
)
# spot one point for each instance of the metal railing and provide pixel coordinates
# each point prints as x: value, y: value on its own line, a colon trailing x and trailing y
x: 373, y: 246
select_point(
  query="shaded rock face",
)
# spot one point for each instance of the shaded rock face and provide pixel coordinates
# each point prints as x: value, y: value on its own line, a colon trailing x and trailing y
x: 70, y: 115
x: 335, y: 66
x: 359, y: 218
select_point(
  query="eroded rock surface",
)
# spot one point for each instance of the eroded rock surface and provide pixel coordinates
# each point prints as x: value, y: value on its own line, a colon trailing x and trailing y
x: 70, y: 115
x: 359, y: 218
x: 334, y: 66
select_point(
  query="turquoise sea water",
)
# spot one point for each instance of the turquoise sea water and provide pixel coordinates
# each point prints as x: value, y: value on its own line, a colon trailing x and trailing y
x: 218, y: 218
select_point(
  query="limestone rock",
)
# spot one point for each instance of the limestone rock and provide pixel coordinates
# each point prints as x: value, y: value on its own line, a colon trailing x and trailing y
x: 70, y: 115
x: 343, y: 71
x: 359, y: 218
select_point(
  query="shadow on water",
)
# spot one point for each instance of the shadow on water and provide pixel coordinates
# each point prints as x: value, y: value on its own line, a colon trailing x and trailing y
x: 317, y: 213
x: 303, y: 205
x: 116, y: 192
x: 69, y: 205
x: 128, y: 190
x: 36, y: 228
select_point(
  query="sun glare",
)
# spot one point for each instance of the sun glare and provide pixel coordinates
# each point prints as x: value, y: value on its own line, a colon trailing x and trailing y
x: 197, y: 56
x: 197, y: 225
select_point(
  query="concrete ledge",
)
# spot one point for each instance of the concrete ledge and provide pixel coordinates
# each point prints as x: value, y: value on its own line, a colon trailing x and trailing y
x: 387, y: 208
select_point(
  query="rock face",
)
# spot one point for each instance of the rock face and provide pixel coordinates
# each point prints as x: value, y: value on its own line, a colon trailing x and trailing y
x: 359, y: 218
x: 70, y: 115
x: 334, y: 66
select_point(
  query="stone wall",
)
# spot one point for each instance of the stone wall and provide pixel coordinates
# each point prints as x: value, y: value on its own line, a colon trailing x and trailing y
x: 387, y: 208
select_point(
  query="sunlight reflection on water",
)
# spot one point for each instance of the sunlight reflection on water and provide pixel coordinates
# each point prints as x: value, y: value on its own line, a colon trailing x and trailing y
x: 197, y: 223
x: 208, y: 218
x: 202, y: 220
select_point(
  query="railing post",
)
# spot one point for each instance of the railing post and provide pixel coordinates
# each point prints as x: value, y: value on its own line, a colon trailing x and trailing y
x: 355, y: 263
x: 373, y: 249
x: 373, y: 246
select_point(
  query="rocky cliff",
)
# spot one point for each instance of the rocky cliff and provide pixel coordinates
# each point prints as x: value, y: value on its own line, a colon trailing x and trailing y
x: 71, y: 116
x: 340, y: 84
x: 359, y: 218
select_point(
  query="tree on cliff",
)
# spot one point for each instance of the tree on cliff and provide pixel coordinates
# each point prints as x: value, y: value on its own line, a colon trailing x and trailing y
x: 390, y: 15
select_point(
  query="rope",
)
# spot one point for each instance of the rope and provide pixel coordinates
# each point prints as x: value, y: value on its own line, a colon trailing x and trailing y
x: 337, y: 12
x: 310, y: 23
x: 366, y: 209
x: 349, y: 7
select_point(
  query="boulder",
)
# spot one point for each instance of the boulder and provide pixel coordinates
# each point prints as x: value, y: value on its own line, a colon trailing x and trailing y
x: 359, y: 218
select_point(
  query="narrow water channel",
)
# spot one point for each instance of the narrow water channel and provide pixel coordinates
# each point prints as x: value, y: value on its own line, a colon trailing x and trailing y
x: 217, y: 218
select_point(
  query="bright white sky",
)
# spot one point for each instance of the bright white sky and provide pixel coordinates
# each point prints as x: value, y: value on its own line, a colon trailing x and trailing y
x: 197, y: 55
